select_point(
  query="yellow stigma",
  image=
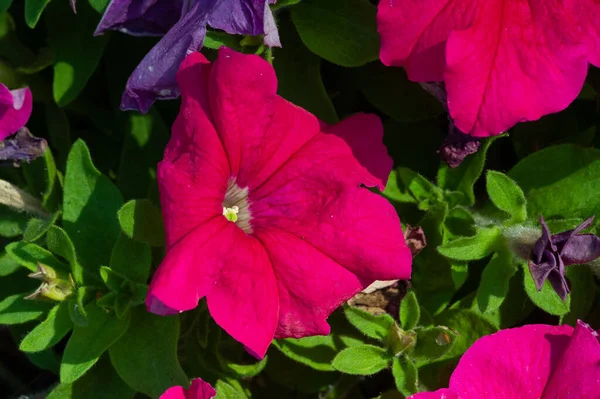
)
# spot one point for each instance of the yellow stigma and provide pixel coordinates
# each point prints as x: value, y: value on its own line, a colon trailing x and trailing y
x: 231, y: 213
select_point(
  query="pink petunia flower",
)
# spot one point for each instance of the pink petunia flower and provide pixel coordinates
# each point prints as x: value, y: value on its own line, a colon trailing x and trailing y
x: 198, y: 390
x: 503, y: 61
x: 530, y: 362
x: 266, y: 213
x: 15, y: 109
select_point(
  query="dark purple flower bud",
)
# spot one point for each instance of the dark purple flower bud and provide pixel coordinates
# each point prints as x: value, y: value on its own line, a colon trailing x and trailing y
x: 457, y: 145
x: 183, y: 24
x: 73, y: 6
x: 552, y: 253
x: 22, y: 147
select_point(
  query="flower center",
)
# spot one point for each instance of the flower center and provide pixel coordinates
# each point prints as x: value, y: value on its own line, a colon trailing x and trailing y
x: 236, y: 207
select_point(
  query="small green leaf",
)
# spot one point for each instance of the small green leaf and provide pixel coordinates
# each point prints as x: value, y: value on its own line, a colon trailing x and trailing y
x: 91, y: 203
x: 432, y: 343
x: 4, y: 5
x: 36, y: 228
x: 131, y: 259
x: 228, y: 391
x: 362, y: 360
x: 409, y: 311
x: 29, y: 255
x: 47, y: 334
x: 405, y: 375
x: 101, y: 382
x: 494, y: 281
x: 215, y: 39
x: 376, y: 327
x: 421, y: 188
x: 33, y: 11
x: 394, y: 192
x: 12, y: 223
x: 142, y: 221
x: 8, y: 265
x: 146, y: 355
x: 507, y: 196
x: 472, y: 248
x: 343, y: 32
x: 547, y: 299
x: 237, y: 369
x: 463, y: 177
x: 583, y: 293
x: 99, y: 5
x: 77, y: 51
x: 77, y: 310
x: 15, y: 309
x: 59, y: 242
x: 87, y: 344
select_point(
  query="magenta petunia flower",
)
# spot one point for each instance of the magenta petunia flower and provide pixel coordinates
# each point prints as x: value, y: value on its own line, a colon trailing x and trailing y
x: 15, y: 110
x: 267, y: 213
x: 503, y: 61
x: 183, y: 24
x: 198, y: 390
x: 530, y: 362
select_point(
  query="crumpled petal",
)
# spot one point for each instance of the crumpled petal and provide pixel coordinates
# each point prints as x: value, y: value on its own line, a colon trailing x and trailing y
x: 15, y: 110
x: 252, y: 17
x: 140, y: 17
x: 577, y: 374
x: 22, y: 146
x: 198, y: 390
x: 512, y: 363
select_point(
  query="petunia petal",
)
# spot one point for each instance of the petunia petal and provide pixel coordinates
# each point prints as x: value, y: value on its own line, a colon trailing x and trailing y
x: 198, y: 390
x: 305, y: 303
x: 244, y: 300
x: 581, y: 249
x: 414, y: 33
x: 15, y: 109
x: 439, y: 394
x: 259, y: 129
x: 587, y: 13
x: 577, y: 374
x: 193, y: 174
x: 513, y: 363
x: 250, y: 17
x: 140, y: 17
x: 516, y: 62
x: 317, y: 196
x: 154, y: 77
x: 363, y: 133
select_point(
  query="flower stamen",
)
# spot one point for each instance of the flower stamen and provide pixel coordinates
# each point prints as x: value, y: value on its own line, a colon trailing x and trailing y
x: 231, y: 214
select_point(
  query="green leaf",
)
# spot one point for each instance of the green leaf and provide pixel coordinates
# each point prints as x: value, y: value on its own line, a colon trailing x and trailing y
x: 33, y: 11
x: 4, y: 5
x: 372, y: 326
x: 463, y: 177
x: 12, y: 223
x: 87, y: 344
x: 421, y: 188
x: 432, y: 343
x: 142, y: 221
x: 36, y: 228
x: 145, y: 139
x: 409, y: 311
x: 8, y: 265
x: 77, y: 310
x: 101, y: 382
x: 77, y: 51
x: 91, y: 203
x: 99, y: 5
x: 472, y: 248
x: 405, y: 375
x: 47, y: 334
x: 29, y: 255
x: 547, y: 299
x: 59, y: 242
x: 560, y: 181
x: 583, y: 293
x: 494, y: 281
x: 390, y: 91
x: 394, y: 192
x: 341, y: 31
x: 15, y: 309
x: 215, y: 39
x: 41, y: 176
x: 362, y: 360
x: 299, y: 75
x: 283, y: 3
x: 151, y: 340
x: 228, y: 391
x: 131, y: 258
x: 507, y: 196
x: 228, y: 349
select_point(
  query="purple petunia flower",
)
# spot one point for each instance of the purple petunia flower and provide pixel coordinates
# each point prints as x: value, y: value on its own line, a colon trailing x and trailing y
x: 552, y: 253
x: 183, y: 24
